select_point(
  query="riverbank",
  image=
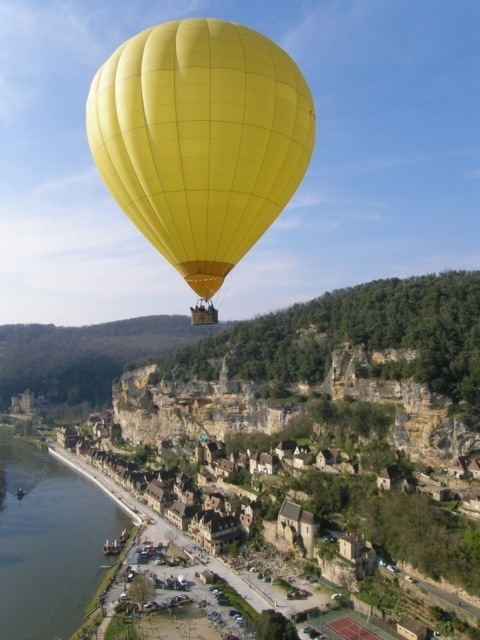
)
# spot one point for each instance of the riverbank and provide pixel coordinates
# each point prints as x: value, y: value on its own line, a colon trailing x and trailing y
x: 87, y: 471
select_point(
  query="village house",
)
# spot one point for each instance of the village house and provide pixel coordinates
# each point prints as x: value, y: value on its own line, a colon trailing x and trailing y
x: 82, y: 447
x: 224, y: 467
x: 213, y: 531
x: 233, y: 504
x: 471, y: 503
x: 473, y: 469
x: 180, y: 514
x: 245, y: 521
x: 293, y: 523
x: 327, y: 459
x: 67, y: 437
x: 458, y: 467
x: 213, y: 501
x: 263, y: 463
x: 356, y: 549
x: 205, y: 478
x: 438, y: 493
x: 240, y: 460
x: 285, y: 449
x: 185, y: 490
x: 157, y: 496
x: 411, y: 629
x: 212, y: 451
x: 388, y: 477
x: 303, y: 460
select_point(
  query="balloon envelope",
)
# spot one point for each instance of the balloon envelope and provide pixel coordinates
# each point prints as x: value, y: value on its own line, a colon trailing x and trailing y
x: 202, y: 130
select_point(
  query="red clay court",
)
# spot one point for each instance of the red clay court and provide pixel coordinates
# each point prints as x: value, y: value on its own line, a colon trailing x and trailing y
x: 351, y: 630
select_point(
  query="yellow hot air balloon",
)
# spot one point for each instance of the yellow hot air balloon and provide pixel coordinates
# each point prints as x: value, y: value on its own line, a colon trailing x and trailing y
x: 202, y: 130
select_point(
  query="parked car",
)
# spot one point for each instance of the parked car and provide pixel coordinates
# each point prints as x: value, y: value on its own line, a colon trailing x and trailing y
x: 124, y: 595
x: 252, y: 569
x: 392, y: 569
x: 409, y: 578
x: 335, y: 596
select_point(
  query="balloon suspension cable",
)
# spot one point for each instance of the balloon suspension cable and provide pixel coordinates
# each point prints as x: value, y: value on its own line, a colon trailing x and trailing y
x: 204, y: 312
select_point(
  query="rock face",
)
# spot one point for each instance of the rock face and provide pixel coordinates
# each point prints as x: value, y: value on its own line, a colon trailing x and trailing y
x: 149, y: 414
x: 423, y: 428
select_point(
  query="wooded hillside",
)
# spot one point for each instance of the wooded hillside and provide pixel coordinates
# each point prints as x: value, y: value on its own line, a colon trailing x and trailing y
x: 435, y: 315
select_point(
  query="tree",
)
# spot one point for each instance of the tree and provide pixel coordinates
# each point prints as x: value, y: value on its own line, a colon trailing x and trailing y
x: 272, y: 624
x: 141, y: 590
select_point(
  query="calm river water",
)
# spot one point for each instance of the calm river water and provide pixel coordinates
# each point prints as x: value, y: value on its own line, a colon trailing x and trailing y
x: 50, y: 544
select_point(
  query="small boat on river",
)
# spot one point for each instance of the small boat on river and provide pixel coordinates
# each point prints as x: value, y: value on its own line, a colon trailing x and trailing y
x: 123, y: 537
x: 20, y: 493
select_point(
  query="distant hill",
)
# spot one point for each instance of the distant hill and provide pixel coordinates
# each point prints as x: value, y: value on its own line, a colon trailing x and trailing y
x: 78, y: 364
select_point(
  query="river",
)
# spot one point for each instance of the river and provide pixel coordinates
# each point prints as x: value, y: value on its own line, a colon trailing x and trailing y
x: 50, y: 543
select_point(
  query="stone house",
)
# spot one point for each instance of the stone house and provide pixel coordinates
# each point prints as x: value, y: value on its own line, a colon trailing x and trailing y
x: 205, y: 478
x: 285, y: 449
x: 458, y: 467
x: 438, y: 493
x: 356, y: 549
x: 327, y: 459
x: 245, y: 521
x: 82, y: 447
x: 214, y: 531
x: 411, y: 629
x: 293, y: 523
x: 180, y: 514
x: 213, y: 501
x: 388, y: 477
x: 473, y: 469
x: 240, y: 460
x: 224, y: 467
x: 67, y: 437
x: 471, y: 503
x: 212, y: 451
x: 303, y: 460
x: 263, y: 463
x: 232, y: 504
x: 157, y: 496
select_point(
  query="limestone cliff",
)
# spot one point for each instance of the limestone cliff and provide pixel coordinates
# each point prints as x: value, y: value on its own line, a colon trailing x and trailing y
x: 423, y: 428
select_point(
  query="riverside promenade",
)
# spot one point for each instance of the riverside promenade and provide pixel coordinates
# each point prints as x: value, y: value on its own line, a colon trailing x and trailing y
x: 156, y: 529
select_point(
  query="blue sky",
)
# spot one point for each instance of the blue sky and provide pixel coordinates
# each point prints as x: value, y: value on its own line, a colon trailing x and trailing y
x: 393, y: 189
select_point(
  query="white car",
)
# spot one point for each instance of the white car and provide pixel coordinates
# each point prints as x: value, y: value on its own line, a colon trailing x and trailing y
x: 252, y: 569
x: 124, y: 595
x: 336, y: 596
x: 392, y: 569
